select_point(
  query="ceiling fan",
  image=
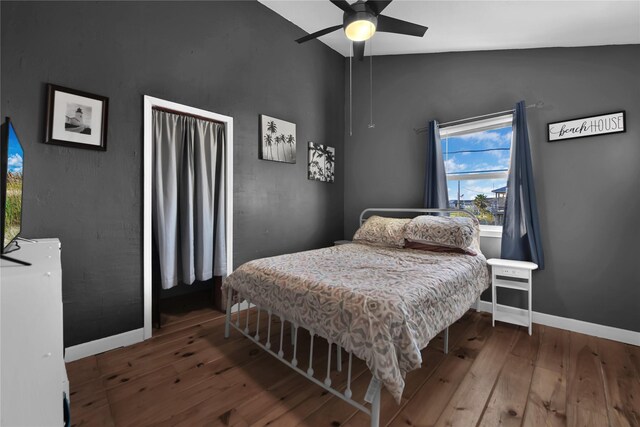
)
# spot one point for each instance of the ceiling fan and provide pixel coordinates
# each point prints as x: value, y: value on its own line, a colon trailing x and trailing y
x: 362, y: 19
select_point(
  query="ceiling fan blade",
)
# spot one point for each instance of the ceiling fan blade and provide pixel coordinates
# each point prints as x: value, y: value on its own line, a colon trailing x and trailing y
x: 358, y: 50
x: 319, y: 33
x: 342, y: 4
x: 387, y: 24
x: 377, y: 6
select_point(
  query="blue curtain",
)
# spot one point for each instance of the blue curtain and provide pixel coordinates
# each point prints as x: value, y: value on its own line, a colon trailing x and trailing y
x: 521, y: 231
x: 435, y: 190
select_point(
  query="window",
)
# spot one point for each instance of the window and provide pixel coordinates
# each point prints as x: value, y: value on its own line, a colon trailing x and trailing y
x: 477, y: 156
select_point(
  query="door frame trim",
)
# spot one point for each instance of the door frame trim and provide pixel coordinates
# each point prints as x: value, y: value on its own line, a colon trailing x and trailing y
x: 149, y: 103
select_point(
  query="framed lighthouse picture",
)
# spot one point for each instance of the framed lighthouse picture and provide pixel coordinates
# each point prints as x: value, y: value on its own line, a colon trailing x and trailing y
x: 76, y: 118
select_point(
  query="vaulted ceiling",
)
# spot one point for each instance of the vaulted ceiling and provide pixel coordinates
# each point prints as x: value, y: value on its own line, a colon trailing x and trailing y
x: 479, y: 24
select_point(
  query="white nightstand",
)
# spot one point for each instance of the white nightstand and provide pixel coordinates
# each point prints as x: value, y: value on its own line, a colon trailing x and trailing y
x: 511, y: 274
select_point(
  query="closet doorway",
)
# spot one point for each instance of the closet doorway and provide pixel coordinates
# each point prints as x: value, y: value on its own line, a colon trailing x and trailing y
x: 152, y: 106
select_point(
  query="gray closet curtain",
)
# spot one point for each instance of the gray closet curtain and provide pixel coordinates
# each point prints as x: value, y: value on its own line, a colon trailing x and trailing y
x: 436, y: 194
x: 521, y: 231
x: 188, y: 198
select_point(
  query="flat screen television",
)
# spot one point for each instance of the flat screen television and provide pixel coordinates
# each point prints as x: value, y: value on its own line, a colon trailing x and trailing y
x: 11, y: 174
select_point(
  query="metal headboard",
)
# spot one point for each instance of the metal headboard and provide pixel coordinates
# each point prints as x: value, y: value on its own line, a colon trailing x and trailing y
x: 415, y: 210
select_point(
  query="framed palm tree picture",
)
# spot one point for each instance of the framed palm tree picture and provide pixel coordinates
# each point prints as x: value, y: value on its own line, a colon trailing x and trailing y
x: 277, y: 140
x: 322, y: 159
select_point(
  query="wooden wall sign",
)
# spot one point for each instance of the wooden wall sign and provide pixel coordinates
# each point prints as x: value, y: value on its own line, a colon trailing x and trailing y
x: 587, y: 126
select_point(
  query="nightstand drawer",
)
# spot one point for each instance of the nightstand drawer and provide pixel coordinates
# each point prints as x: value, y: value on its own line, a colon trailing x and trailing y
x: 511, y: 272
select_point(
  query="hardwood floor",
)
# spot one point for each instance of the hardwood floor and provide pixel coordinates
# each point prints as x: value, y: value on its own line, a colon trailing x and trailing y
x: 185, y: 308
x: 189, y: 375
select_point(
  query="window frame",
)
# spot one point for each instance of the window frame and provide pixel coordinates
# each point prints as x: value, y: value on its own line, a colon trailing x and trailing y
x: 475, y: 126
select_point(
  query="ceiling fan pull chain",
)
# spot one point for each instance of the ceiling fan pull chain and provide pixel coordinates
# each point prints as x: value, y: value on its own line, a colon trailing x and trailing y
x: 350, y: 91
x: 371, y: 124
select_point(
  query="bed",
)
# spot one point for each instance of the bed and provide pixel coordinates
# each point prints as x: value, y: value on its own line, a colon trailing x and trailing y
x: 381, y: 304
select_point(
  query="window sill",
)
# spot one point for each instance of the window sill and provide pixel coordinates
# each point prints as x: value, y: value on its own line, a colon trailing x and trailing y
x: 494, y: 231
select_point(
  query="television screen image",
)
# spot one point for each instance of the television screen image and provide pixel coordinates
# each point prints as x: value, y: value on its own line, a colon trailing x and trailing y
x: 12, y: 170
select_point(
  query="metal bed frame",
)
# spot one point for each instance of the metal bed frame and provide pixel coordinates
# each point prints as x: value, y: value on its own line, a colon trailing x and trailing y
x: 372, y: 395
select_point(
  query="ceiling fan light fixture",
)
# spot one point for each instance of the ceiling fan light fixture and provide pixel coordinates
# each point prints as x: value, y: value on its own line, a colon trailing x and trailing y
x: 360, y: 26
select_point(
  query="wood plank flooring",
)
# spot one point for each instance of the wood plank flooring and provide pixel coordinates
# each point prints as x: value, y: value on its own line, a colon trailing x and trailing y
x: 189, y: 375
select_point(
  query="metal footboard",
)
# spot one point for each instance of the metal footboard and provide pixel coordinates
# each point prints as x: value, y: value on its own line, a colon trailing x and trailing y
x: 242, y: 325
x: 373, y: 392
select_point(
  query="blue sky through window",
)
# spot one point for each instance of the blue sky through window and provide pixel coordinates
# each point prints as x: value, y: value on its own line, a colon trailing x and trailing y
x: 477, y: 152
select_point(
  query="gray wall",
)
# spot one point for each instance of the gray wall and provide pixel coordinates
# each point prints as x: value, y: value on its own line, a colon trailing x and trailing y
x: 239, y: 59
x: 587, y: 188
x: 233, y: 58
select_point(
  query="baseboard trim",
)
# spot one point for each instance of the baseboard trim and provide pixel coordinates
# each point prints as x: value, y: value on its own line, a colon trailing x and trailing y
x: 103, y: 344
x: 616, y: 334
x: 582, y: 327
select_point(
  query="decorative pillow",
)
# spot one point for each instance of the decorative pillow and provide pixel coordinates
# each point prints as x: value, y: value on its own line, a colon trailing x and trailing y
x: 452, y: 232
x: 436, y: 248
x: 382, y: 231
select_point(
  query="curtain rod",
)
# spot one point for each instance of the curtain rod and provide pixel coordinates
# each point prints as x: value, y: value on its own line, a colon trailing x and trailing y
x: 538, y: 104
x: 181, y: 113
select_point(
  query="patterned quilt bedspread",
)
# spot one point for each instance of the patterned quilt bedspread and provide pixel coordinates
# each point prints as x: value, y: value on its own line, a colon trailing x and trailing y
x: 383, y: 304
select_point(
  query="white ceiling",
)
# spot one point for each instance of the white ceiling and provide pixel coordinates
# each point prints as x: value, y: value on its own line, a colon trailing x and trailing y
x: 479, y: 24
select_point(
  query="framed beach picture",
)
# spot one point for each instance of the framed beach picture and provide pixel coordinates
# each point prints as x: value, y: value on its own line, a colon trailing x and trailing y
x: 277, y: 140
x: 76, y: 118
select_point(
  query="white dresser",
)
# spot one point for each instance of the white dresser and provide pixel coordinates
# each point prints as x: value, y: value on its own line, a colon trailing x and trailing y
x: 33, y: 376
